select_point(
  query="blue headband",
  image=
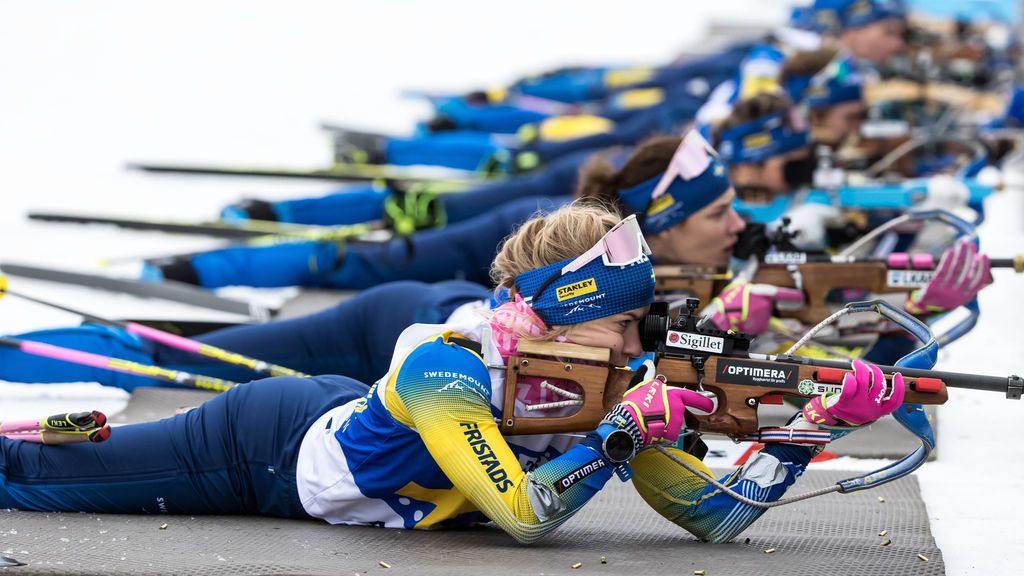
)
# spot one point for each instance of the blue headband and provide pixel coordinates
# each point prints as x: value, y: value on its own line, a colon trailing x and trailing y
x: 836, y: 84
x: 802, y: 17
x: 596, y: 290
x: 693, y: 179
x: 764, y: 138
x: 680, y: 201
x: 834, y: 16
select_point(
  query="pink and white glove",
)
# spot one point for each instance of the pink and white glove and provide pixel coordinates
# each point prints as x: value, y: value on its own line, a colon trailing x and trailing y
x: 746, y: 307
x: 865, y: 397
x: 961, y: 273
x: 654, y: 412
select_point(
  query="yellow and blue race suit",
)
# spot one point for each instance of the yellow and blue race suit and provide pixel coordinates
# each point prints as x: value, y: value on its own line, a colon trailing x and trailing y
x: 422, y: 450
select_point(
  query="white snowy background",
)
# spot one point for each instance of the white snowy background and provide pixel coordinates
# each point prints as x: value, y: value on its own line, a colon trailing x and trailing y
x: 88, y: 86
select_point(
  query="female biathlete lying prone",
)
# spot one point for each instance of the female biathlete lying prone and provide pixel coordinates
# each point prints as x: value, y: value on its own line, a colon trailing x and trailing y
x: 420, y: 449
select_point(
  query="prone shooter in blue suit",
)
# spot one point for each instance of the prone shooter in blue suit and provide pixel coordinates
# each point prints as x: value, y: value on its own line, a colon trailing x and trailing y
x: 488, y: 129
x: 365, y: 203
x: 573, y: 90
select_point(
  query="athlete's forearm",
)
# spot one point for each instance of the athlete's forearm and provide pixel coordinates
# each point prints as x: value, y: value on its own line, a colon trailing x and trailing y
x: 706, y: 511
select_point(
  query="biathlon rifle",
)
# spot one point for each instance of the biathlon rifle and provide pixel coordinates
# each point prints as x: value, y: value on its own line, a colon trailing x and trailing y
x: 818, y: 276
x: 693, y: 356
x: 865, y: 197
x: 779, y: 263
x: 705, y: 359
x: 949, y: 94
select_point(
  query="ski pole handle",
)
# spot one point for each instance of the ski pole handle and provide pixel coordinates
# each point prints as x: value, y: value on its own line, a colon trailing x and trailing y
x: 51, y: 437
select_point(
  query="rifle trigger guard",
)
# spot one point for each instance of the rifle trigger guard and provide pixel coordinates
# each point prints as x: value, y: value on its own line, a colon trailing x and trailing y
x: 698, y: 365
x: 798, y: 278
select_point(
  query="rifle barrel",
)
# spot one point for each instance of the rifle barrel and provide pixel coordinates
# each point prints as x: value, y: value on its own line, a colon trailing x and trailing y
x: 1015, y: 262
x: 1012, y: 386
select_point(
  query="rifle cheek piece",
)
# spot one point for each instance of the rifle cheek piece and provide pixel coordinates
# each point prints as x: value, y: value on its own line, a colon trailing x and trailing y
x: 600, y: 386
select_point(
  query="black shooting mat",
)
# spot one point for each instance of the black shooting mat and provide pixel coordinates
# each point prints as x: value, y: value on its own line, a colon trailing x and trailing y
x: 149, y: 404
x: 833, y: 534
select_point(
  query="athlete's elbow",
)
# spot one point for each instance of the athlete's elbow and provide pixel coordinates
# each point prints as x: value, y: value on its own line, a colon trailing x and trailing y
x: 527, y: 533
x: 718, y: 534
x: 712, y: 538
x: 526, y: 538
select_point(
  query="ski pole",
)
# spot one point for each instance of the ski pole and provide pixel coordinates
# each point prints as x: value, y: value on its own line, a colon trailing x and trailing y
x: 69, y: 428
x: 117, y: 364
x: 166, y: 338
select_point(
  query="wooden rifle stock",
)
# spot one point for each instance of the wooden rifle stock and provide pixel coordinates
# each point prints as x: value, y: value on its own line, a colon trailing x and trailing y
x: 740, y: 384
x: 600, y: 385
x: 740, y: 381
x: 901, y: 90
x: 816, y: 279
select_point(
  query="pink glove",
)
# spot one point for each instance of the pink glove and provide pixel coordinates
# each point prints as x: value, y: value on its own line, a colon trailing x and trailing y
x: 959, y: 276
x: 656, y: 410
x: 862, y: 401
x: 746, y: 307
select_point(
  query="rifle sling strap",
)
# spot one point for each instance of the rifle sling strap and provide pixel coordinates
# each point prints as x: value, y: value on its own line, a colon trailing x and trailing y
x: 791, y: 436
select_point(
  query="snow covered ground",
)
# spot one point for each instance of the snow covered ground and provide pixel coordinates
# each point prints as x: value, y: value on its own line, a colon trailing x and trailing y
x: 87, y: 86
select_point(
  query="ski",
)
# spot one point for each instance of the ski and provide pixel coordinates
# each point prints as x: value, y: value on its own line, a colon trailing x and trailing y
x: 332, y: 128
x: 172, y: 291
x: 217, y: 229
x: 245, y: 232
x: 338, y: 172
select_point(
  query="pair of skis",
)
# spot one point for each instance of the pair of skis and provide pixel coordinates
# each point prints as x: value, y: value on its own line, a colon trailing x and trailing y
x: 337, y: 173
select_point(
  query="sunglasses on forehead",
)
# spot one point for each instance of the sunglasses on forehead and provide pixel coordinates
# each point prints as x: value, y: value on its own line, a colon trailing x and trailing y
x: 623, y: 245
x: 691, y: 158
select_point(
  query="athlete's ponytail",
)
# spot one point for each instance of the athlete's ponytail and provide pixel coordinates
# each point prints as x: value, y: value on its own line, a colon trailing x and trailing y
x: 599, y: 182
